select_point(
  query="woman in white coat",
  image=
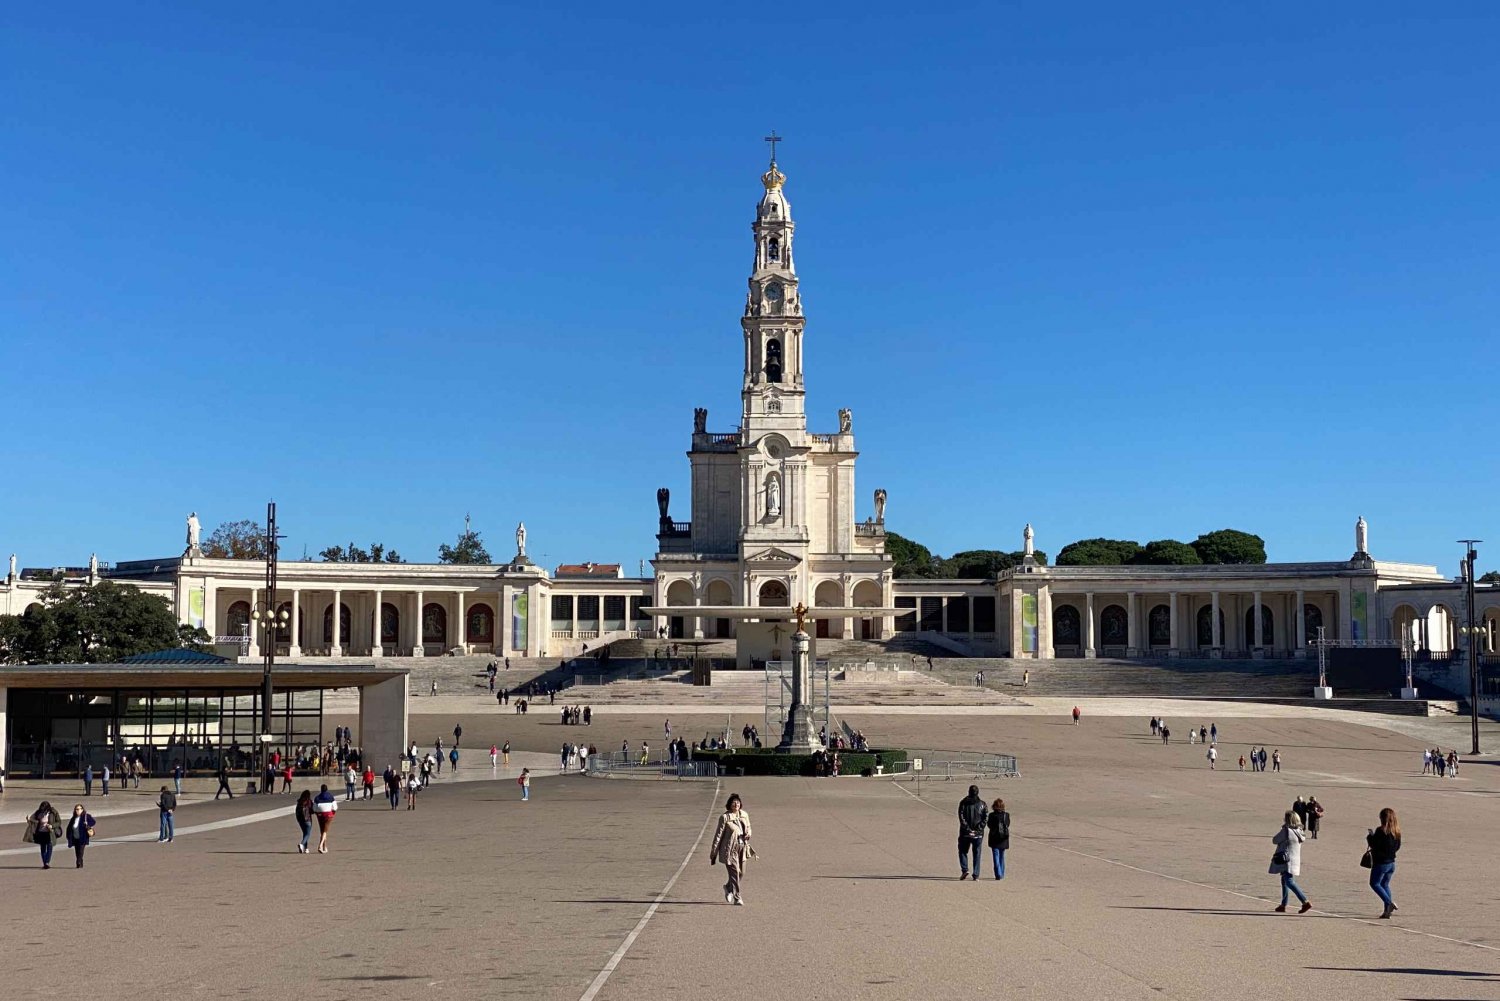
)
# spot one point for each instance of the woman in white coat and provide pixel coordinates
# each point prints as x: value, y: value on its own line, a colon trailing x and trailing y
x: 1288, y: 860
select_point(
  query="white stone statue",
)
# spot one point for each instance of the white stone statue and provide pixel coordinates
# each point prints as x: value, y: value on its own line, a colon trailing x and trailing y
x: 93, y: 564
x: 846, y: 421
x: 12, y: 566
x: 773, y: 497
x: 193, y: 531
x: 521, y: 539
x: 1361, y: 535
x: 1028, y: 538
x: 880, y: 506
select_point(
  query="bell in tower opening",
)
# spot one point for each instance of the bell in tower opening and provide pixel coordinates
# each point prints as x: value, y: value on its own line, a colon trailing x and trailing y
x: 773, y: 361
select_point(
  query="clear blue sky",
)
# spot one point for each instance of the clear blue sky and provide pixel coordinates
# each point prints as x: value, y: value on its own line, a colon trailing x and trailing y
x: 1114, y: 270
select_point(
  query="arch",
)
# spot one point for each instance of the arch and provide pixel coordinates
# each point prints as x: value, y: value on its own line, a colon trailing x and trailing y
x: 1114, y: 626
x: 1312, y: 621
x: 1404, y: 627
x: 773, y: 360
x: 1267, y: 636
x: 434, y: 624
x: 237, y: 619
x: 344, y: 621
x: 1205, y: 626
x: 1489, y: 618
x: 828, y: 594
x: 284, y: 628
x: 1159, y: 626
x: 679, y: 593
x: 773, y: 594
x: 390, y: 624
x: 1067, y: 626
x: 481, y: 623
x: 773, y: 248
x: 867, y: 594
x: 1438, y: 627
x: 719, y: 592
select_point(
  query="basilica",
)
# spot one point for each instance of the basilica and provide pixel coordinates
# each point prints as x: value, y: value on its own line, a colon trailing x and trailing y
x: 774, y: 519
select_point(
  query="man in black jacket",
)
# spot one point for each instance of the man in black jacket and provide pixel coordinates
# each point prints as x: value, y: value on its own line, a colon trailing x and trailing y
x: 972, y: 814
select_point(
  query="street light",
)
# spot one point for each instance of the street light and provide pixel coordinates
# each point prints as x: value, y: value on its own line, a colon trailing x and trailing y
x: 1471, y: 633
x: 272, y: 619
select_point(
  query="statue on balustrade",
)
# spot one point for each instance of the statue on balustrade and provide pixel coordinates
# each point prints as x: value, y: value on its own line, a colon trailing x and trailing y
x: 846, y: 421
x: 700, y: 420
x: 880, y: 506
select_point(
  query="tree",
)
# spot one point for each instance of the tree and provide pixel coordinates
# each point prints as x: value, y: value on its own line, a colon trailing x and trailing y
x: 93, y: 624
x: 377, y: 553
x: 1167, y: 552
x: 1228, y: 545
x: 984, y: 563
x: 469, y: 550
x: 1493, y: 577
x: 236, y: 540
x: 1098, y: 553
x: 912, y: 559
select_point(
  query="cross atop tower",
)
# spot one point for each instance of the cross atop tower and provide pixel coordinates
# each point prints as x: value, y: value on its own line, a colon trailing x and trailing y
x: 773, y: 139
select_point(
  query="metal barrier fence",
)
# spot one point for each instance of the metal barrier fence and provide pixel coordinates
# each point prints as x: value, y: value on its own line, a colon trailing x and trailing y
x: 606, y: 765
x: 945, y: 766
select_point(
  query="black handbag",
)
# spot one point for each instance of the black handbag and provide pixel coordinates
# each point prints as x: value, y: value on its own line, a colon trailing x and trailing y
x: 1367, y: 860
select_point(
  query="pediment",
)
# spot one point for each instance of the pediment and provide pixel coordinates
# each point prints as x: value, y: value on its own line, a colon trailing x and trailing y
x: 773, y: 557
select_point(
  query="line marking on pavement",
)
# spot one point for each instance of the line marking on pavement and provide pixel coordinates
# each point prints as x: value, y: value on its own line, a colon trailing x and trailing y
x: 614, y: 961
x: 216, y: 825
x: 1221, y: 889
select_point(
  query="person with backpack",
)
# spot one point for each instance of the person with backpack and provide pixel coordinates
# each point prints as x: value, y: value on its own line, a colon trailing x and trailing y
x: 524, y: 781
x: 999, y: 840
x: 223, y: 780
x: 972, y: 815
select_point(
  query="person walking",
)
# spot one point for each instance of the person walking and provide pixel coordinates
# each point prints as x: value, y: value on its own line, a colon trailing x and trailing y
x: 88, y: 780
x: 1242, y: 762
x: 972, y: 815
x: 1213, y: 758
x: 1026, y: 677
x: 1275, y: 759
x: 325, y: 807
x: 80, y: 830
x: 350, y: 778
x: 1384, y: 842
x: 287, y: 774
x: 525, y: 783
x: 104, y: 778
x: 413, y: 786
x: 505, y: 754
x: 1287, y: 862
x: 167, y: 804
x: 304, y: 814
x: 1426, y: 761
x: 177, y: 774
x: 369, y: 782
x: 223, y: 780
x: 1076, y: 713
x: 453, y: 757
x: 731, y: 846
x: 1314, y: 816
x: 43, y: 828
x: 458, y: 733
x: 999, y: 825
x: 494, y: 755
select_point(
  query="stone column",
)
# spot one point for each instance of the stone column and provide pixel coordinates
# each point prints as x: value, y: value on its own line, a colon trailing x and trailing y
x: 503, y: 631
x: 294, y: 648
x: 255, y: 628
x: 376, y: 650
x: 1259, y: 632
x: 337, y: 649
x: 1088, y: 626
x: 1044, y: 645
x: 463, y: 624
x: 382, y: 719
x: 1215, y: 632
x: 1132, y: 627
x: 1299, y: 627
x: 416, y: 621
x: 799, y: 736
x: 1174, y: 645
x: 573, y: 621
x: 698, y: 621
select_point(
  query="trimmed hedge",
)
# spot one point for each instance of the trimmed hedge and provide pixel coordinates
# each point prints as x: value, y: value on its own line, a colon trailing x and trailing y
x: 765, y: 761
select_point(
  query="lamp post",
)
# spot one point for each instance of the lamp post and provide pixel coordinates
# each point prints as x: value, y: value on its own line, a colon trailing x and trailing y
x: 1471, y: 633
x: 271, y: 619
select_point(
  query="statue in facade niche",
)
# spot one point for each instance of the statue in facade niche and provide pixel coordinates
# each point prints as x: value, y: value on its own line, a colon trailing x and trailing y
x: 773, y: 497
x: 194, y: 530
x: 663, y: 498
x: 880, y: 506
x: 700, y: 420
x: 846, y: 421
x: 521, y: 539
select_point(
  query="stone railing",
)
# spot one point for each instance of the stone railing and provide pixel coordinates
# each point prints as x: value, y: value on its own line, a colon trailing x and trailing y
x: 824, y: 439
x: 676, y: 529
x: 869, y: 530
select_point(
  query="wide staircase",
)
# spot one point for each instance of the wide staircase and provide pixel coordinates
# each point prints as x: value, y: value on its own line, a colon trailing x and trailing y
x: 749, y: 688
x: 465, y: 675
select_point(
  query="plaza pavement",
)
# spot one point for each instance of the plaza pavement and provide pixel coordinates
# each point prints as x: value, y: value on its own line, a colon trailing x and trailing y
x: 1135, y: 872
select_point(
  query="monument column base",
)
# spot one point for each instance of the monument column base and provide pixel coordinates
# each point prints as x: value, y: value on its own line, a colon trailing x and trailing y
x: 798, y: 736
x: 1299, y: 654
x: 1408, y: 693
x: 417, y: 651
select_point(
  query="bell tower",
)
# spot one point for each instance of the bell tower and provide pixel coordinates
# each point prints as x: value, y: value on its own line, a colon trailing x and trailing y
x: 773, y: 391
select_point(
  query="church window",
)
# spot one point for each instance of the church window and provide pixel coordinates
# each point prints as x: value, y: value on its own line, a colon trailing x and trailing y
x: 773, y: 361
x: 773, y: 250
x: 773, y: 406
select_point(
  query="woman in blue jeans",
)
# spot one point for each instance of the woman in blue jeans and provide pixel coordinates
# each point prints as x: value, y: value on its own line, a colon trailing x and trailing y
x: 304, y: 813
x: 998, y: 823
x: 1384, y: 842
x: 1288, y: 860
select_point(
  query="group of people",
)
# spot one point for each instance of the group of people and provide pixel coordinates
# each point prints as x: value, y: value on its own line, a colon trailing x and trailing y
x: 1435, y: 762
x: 494, y: 669
x: 978, y: 824
x: 1258, y: 759
x: 574, y: 754
x: 577, y: 716
x: 1382, y: 843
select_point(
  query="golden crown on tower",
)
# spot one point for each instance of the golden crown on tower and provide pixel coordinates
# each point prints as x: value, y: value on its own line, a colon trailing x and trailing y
x: 773, y: 178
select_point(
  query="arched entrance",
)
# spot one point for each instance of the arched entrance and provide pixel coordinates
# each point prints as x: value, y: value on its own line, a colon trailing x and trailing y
x: 434, y: 625
x: 345, y: 620
x: 1114, y: 628
x: 481, y: 624
x: 390, y: 625
x: 679, y: 593
x: 1159, y: 627
x: 237, y: 619
x: 1205, y: 627
x: 1405, y: 630
x: 828, y: 594
x: 719, y: 593
x: 773, y: 594
x: 1067, y: 630
x: 1312, y: 621
x: 867, y: 595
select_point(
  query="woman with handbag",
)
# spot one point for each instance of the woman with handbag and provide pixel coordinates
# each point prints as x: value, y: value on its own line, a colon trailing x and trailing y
x: 80, y: 831
x: 43, y: 829
x: 1288, y: 860
x: 1380, y: 857
x: 731, y: 845
x: 999, y: 825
